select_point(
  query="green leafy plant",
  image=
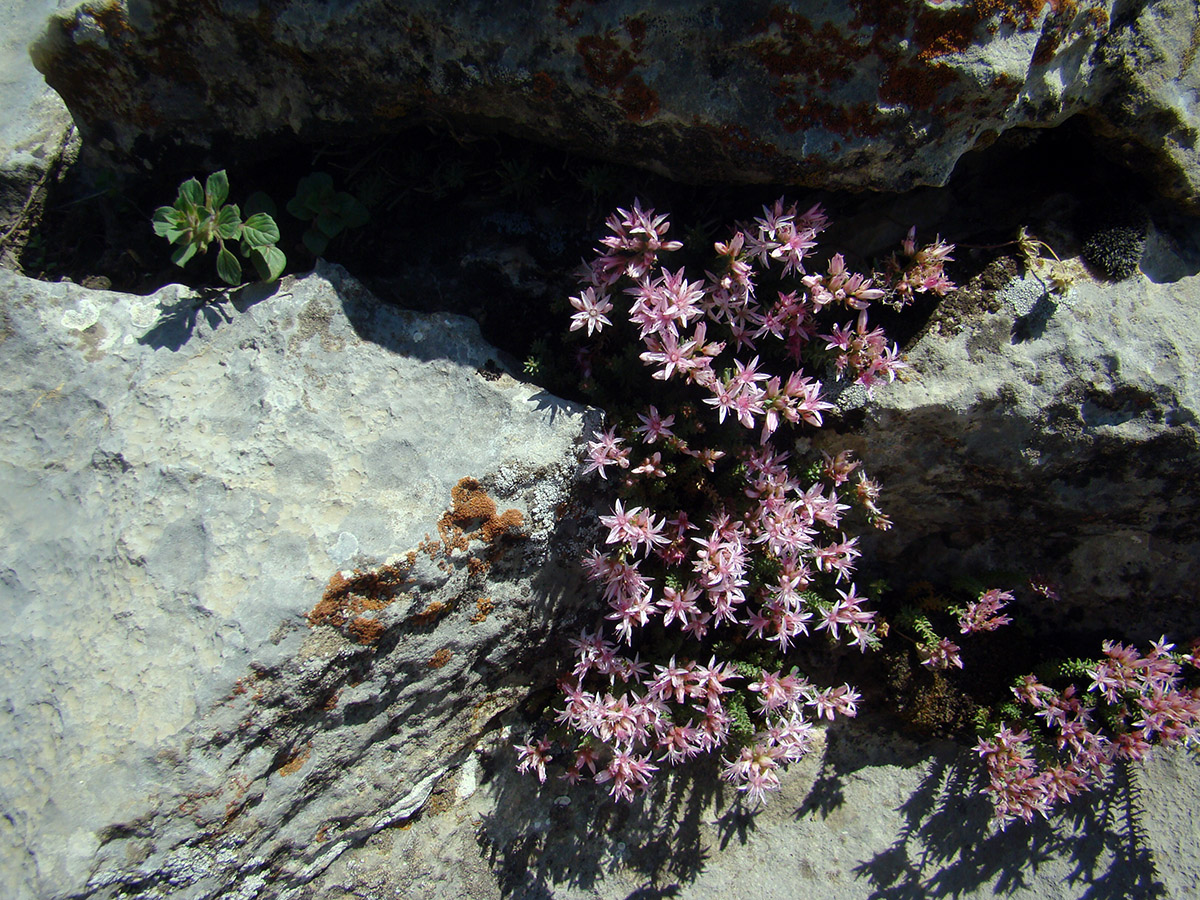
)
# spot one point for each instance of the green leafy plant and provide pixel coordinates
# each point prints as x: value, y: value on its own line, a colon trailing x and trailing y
x: 201, y: 216
x: 330, y: 211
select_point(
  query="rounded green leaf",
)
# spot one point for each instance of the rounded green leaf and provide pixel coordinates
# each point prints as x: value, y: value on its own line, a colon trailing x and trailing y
x: 315, y: 241
x: 269, y: 261
x: 191, y: 192
x: 313, y: 192
x: 229, y: 223
x: 180, y: 255
x: 317, y: 184
x: 354, y: 214
x: 330, y: 224
x: 297, y: 207
x: 229, y: 268
x: 169, y: 222
x: 216, y: 189
x: 260, y: 230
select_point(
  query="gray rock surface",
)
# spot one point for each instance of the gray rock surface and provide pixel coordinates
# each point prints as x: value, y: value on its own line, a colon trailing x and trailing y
x: 1070, y: 430
x: 865, y: 815
x: 36, y: 132
x: 224, y: 676
x: 200, y: 693
x: 855, y: 95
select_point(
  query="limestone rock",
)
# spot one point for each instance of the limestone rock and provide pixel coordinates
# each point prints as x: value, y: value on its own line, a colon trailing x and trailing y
x: 1054, y: 438
x: 36, y: 133
x: 856, y: 95
x: 221, y: 662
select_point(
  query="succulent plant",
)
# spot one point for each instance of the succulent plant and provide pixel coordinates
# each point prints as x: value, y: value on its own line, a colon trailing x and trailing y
x: 201, y: 216
x: 329, y: 210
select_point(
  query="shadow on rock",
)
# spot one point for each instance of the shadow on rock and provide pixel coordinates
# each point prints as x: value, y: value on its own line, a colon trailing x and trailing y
x: 948, y: 846
x: 537, y: 843
x: 176, y: 324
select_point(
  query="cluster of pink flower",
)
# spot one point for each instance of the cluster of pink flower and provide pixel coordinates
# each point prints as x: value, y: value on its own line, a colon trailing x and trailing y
x: 982, y: 614
x: 1140, y: 700
x: 674, y: 315
x: 919, y: 270
x: 660, y: 568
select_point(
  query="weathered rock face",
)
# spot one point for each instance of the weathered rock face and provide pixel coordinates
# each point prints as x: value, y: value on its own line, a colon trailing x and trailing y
x: 854, y: 95
x: 36, y: 134
x: 205, y: 699
x: 1054, y: 439
x: 221, y: 664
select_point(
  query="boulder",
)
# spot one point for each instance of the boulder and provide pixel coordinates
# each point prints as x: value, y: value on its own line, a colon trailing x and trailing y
x: 884, y: 96
x: 272, y: 559
x: 1053, y: 439
x: 37, y: 137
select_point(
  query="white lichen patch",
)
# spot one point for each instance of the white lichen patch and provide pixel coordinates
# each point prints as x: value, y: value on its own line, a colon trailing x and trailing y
x: 144, y: 314
x: 83, y: 317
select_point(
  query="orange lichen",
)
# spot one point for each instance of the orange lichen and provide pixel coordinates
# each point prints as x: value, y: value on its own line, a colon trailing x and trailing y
x: 605, y: 62
x: 345, y: 598
x: 917, y: 86
x: 543, y: 87
x: 792, y: 48
x: 429, y: 614
x: 440, y: 658
x: 945, y: 32
x: 295, y: 761
x: 856, y: 118
x: 609, y: 62
x: 349, y: 598
x: 563, y: 10
x: 365, y: 631
x: 635, y: 27
x: 473, y: 507
x: 639, y: 101
x: 483, y: 606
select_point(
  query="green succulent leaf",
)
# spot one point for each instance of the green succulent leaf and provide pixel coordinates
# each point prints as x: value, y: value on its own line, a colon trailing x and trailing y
x: 229, y: 223
x: 216, y: 189
x: 260, y: 230
x: 354, y: 214
x: 191, y: 193
x: 329, y: 224
x: 229, y: 268
x: 169, y: 223
x: 181, y: 254
x: 298, y: 208
x: 269, y: 262
x: 315, y: 241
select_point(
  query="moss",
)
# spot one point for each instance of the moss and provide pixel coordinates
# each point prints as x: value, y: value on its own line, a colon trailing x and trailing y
x: 928, y: 702
x: 1115, y: 251
x: 346, y: 597
x: 473, y: 509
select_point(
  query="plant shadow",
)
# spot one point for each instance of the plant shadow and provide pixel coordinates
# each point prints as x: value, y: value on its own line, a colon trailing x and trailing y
x: 948, y: 847
x: 216, y: 306
x: 658, y: 844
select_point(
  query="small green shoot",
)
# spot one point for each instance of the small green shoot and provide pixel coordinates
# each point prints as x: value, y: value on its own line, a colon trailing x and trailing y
x: 201, y: 216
